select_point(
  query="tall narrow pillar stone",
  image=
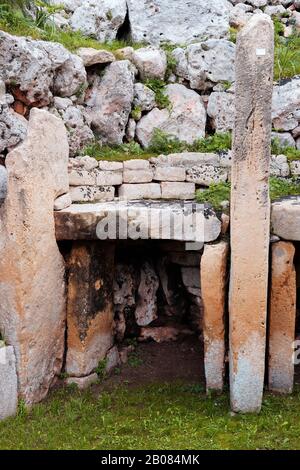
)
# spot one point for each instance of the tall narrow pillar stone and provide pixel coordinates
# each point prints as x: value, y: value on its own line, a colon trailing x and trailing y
x: 90, y: 310
x: 213, y: 272
x: 282, y: 318
x: 32, y: 270
x: 250, y: 213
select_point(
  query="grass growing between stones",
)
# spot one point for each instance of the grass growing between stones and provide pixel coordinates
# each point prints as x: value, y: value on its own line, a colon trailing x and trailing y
x: 290, y: 152
x: 216, y: 194
x: 160, y: 416
x: 15, y: 21
x: 161, y: 143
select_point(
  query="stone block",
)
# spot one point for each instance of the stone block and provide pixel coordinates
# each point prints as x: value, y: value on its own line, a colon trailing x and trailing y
x: 79, y: 177
x: 92, y: 193
x: 109, y: 178
x: 206, y: 175
x: 137, y: 176
x: 140, y: 191
x: 169, y: 173
x: 178, y: 190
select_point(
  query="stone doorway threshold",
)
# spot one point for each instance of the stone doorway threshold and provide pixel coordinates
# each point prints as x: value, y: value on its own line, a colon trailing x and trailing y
x: 168, y: 362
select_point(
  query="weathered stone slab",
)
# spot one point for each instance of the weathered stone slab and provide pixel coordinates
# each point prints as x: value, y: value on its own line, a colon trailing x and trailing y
x: 186, y: 159
x: 136, y: 164
x: 90, y: 306
x: 32, y: 287
x: 92, y: 193
x: 110, y: 166
x: 282, y: 318
x: 178, y: 190
x: 109, y: 178
x: 62, y: 202
x: 140, y: 191
x: 213, y: 272
x: 8, y: 383
x: 206, y: 175
x: 169, y: 173
x: 79, y: 177
x: 285, y: 218
x: 91, y: 56
x: 179, y: 22
x: 250, y: 213
x: 137, y: 176
x: 157, y: 220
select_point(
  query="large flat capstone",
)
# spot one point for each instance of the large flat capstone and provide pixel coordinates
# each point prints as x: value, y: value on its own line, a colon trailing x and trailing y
x: 156, y: 220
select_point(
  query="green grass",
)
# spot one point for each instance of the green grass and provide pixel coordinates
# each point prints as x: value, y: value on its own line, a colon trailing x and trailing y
x: 161, y: 143
x: 214, y: 195
x: 290, y: 152
x: 172, y: 416
x: 14, y: 21
x: 158, y: 87
x: 219, y: 192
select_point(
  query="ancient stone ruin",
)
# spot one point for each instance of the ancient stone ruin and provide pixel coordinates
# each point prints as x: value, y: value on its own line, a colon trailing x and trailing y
x: 99, y: 253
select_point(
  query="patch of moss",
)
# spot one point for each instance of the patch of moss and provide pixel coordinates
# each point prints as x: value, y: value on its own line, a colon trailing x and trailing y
x: 233, y: 34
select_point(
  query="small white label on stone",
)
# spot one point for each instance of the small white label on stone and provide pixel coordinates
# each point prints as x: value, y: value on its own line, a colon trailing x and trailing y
x: 260, y: 52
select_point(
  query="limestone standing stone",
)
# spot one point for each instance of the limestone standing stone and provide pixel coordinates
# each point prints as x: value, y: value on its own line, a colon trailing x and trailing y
x: 250, y: 213
x: 90, y: 306
x: 32, y: 286
x: 282, y: 318
x: 213, y: 284
x: 8, y: 382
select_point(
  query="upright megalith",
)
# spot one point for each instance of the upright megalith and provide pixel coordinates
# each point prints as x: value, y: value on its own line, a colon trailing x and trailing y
x: 282, y: 318
x: 213, y: 273
x: 90, y: 310
x: 250, y: 213
x: 32, y: 286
